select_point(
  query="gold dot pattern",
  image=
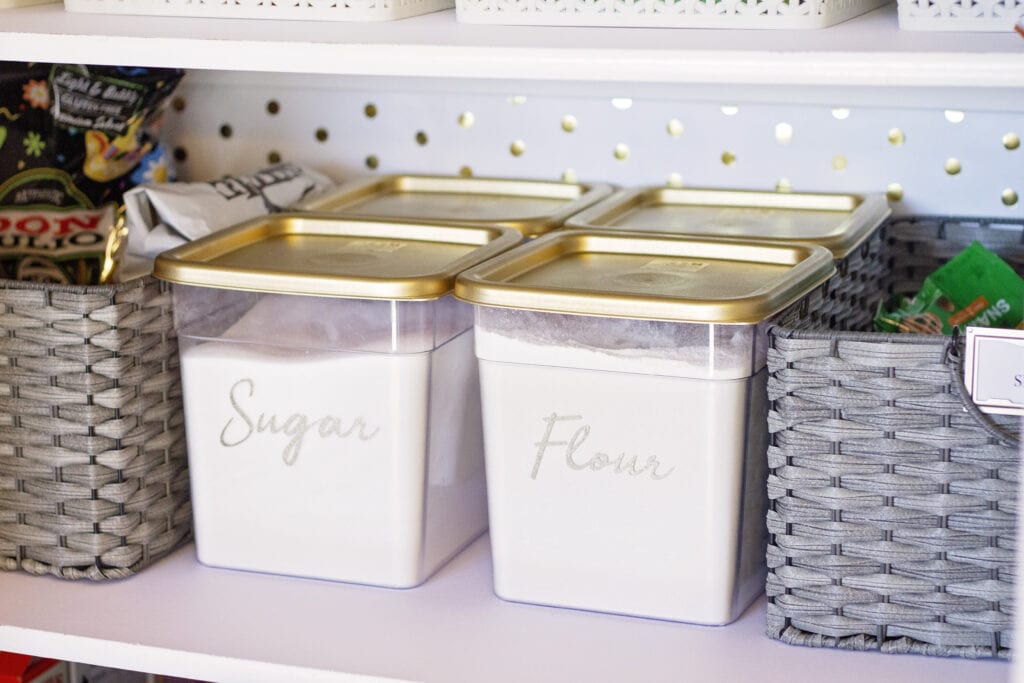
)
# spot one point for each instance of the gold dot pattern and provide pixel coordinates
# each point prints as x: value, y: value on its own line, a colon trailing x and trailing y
x: 569, y: 175
x: 466, y: 172
x: 421, y: 138
x: 839, y: 162
x: 953, y: 166
x: 517, y: 148
x: 1009, y: 197
x: 783, y: 185
x: 517, y: 99
x: 954, y: 115
x: 675, y: 128
x: 321, y: 134
x: 372, y: 162
x: 894, y: 192
x: 621, y: 151
x: 728, y: 158
x: 1011, y: 141
x: 896, y: 137
x: 674, y: 180
x: 370, y: 110
x: 466, y: 119
x: 274, y: 157
x: 568, y: 123
x: 783, y: 133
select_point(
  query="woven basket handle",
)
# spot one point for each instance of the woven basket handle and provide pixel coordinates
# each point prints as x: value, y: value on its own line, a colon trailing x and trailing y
x: 957, y: 374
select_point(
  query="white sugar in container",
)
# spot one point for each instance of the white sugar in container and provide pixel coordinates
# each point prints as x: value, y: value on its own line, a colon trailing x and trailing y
x: 331, y: 399
x: 624, y: 402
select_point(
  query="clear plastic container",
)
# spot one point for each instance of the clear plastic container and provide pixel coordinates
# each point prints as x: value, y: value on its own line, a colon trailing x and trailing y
x: 331, y: 437
x: 625, y: 455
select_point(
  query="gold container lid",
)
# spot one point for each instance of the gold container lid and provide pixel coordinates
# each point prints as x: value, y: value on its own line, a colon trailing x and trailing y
x: 838, y: 222
x: 643, y: 275
x: 532, y: 207
x: 320, y: 255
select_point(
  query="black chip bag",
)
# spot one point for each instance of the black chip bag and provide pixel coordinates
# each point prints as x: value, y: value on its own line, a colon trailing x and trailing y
x: 73, y: 140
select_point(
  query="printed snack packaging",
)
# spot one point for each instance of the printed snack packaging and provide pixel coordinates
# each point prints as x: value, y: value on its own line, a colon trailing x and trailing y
x: 73, y: 139
x: 975, y: 288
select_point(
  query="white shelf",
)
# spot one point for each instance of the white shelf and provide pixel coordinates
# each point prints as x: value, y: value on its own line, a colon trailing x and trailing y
x: 181, y: 618
x: 866, y: 51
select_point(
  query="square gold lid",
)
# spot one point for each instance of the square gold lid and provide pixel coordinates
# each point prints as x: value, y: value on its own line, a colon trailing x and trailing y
x: 321, y: 255
x: 532, y: 207
x: 838, y: 222
x: 643, y: 275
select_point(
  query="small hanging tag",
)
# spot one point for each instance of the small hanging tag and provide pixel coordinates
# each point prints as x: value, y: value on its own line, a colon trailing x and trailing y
x: 994, y: 369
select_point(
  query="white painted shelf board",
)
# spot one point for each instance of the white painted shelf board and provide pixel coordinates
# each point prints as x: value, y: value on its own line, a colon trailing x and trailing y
x: 179, y: 617
x: 866, y: 51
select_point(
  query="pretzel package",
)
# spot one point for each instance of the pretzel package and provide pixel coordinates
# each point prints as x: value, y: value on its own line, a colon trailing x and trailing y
x: 73, y: 139
x: 975, y: 288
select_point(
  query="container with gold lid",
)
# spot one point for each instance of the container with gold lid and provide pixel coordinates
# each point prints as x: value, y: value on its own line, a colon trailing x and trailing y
x: 625, y: 405
x: 331, y: 398
x: 532, y: 207
x: 848, y: 225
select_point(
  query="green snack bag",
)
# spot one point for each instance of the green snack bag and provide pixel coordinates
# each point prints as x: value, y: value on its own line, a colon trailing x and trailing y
x: 975, y: 288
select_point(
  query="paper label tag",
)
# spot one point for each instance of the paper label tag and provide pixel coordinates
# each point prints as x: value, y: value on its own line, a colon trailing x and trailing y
x: 994, y: 369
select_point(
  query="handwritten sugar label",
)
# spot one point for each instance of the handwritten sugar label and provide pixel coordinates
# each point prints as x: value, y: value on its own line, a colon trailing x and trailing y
x: 578, y: 459
x: 295, y: 427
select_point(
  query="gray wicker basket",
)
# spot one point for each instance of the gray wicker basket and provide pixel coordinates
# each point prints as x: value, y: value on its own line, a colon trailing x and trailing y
x: 892, y: 499
x: 93, y: 469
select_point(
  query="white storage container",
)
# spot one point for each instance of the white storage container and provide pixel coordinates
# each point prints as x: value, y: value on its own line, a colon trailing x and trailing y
x: 308, y: 10
x: 741, y: 14
x: 623, y: 386
x: 331, y: 400
x: 960, y: 15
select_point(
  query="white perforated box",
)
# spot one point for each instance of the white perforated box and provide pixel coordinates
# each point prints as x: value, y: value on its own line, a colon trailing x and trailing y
x: 314, y: 10
x: 960, y: 15
x: 744, y: 14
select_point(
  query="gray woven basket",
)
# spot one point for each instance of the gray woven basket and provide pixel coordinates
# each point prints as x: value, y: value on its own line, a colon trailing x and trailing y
x: 93, y: 470
x: 892, y: 499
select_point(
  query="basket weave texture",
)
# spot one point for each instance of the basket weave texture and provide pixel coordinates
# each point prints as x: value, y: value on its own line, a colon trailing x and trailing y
x: 892, y: 499
x: 93, y: 469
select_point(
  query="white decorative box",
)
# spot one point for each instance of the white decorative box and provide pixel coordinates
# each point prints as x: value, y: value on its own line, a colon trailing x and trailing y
x: 312, y: 10
x: 960, y: 15
x: 743, y: 14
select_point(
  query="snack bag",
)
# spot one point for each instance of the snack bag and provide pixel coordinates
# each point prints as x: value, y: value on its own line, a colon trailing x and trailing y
x: 163, y: 216
x: 73, y: 139
x: 975, y: 288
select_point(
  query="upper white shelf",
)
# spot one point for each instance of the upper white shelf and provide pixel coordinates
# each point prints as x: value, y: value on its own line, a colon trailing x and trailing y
x: 867, y: 51
x: 181, y: 618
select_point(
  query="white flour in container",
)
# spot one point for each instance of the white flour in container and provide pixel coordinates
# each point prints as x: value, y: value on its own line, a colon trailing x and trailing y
x: 616, y: 482
x: 697, y: 350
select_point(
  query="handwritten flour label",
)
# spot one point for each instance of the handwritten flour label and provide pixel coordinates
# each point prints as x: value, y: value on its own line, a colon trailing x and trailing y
x: 595, y: 461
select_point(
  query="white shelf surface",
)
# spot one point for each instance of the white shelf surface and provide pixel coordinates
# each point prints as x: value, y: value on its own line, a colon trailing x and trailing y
x: 181, y: 618
x: 867, y: 51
